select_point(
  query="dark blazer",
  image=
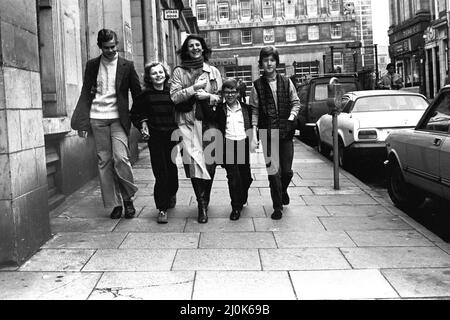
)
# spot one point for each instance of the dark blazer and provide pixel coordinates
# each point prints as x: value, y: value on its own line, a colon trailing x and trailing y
x: 126, y: 80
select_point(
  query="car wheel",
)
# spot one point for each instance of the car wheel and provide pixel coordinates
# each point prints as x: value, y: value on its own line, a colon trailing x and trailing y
x: 402, y: 194
x: 345, y: 159
x: 323, y: 148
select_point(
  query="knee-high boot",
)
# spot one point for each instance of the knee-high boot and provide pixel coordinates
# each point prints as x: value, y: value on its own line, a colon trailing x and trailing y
x: 199, y: 189
x: 208, y: 187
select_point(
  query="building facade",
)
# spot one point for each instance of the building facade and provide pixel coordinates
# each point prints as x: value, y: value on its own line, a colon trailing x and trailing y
x: 44, y: 47
x: 409, y: 20
x: 435, y: 57
x: 313, y: 36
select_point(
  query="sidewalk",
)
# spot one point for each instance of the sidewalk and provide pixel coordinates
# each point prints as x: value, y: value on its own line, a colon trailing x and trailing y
x: 346, y: 244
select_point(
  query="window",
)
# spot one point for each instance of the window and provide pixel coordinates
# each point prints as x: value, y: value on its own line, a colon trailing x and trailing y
x: 246, y: 36
x: 313, y: 33
x: 336, y: 31
x: 289, y: 8
x: 267, y: 7
x: 334, y: 6
x: 201, y: 12
x: 338, y: 60
x: 204, y: 35
x: 246, y: 10
x: 291, y: 34
x: 224, y: 11
x: 438, y: 119
x: 269, y: 36
x: 311, y: 8
x: 224, y: 38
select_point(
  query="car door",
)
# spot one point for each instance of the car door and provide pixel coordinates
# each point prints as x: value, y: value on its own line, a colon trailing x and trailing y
x: 445, y: 168
x: 423, y: 150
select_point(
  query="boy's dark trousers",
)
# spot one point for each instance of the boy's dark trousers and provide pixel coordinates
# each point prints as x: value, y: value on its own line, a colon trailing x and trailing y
x: 164, y: 170
x: 279, y: 182
x: 237, y: 166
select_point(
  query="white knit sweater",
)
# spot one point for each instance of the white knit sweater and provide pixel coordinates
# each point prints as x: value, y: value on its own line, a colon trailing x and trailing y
x: 104, y: 105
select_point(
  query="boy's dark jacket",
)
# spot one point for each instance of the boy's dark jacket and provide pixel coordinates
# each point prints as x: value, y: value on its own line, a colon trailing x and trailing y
x: 126, y: 79
x: 219, y: 116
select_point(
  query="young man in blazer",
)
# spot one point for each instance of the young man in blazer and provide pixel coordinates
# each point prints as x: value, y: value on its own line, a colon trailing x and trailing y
x: 234, y: 121
x: 103, y: 111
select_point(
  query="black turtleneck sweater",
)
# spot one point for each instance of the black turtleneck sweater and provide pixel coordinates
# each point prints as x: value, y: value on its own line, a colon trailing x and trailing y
x: 157, y: 109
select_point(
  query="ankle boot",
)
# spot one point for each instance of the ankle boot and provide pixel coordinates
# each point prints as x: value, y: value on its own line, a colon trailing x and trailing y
x: 199, y: 189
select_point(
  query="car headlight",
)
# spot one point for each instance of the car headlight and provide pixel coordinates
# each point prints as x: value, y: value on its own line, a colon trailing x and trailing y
x: 367, y: 135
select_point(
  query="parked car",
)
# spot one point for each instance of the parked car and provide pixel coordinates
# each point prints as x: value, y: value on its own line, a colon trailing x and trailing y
x: 366, y: 119
x: 419, y: 159
x: 313, y: 96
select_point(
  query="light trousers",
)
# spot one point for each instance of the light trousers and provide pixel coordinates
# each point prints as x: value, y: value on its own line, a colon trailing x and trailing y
x: 115, y: 172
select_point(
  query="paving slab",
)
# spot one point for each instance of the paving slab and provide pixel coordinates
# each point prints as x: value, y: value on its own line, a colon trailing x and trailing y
x: 317, y: 239
x: 349, y: 199
x: 361, y: 210
x: 300, y: 182
x: 288, y: 224
x: 294, y: 192
x: 86, y: 212
x: 237, y: 240
x: 220, y: 225
x: 214, y: 211
x: 58, y: 260
x: 389, y: 238
x: 161, y: 241
x: 82, y: 224
x: 47, y: 285
x: 131, y: 260
x: 83, y: 240
x: 444, y: 246
x: 300, y: 211
x: 173, y: 285
x: 217, y: 259
x: 303, y: 259
x: 396, y: 257
x: 150, y: 224
x: 419, y: 283
x: 364, y: 223
x: 324, y: 191
x: 341, y: 285
x: 247, y: 285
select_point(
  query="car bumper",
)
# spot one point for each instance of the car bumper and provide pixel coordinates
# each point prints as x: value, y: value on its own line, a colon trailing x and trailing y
x: 369, y: 148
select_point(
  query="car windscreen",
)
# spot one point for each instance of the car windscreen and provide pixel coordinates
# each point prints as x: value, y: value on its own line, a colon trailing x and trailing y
x: 390, y: 103
x: 321, y: 91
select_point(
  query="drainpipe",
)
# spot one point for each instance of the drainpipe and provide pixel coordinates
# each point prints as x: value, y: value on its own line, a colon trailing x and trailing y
x: 147, y: 18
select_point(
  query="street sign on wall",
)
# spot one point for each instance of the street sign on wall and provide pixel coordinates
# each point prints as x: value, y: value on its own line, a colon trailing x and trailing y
x: 171, y: 14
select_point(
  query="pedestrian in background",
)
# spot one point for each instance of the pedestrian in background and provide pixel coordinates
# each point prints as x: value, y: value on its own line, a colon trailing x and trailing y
x: 153, y: 113
x: 275, y: 106
x: 103, y: 111
x: 234, y: 121
x: 391, y: 80
x: 195, y: 89
x: 242, y: 90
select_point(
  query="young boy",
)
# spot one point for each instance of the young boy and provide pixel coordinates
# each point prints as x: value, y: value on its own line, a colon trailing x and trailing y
x: 275, y: 106
x: 234, y: 121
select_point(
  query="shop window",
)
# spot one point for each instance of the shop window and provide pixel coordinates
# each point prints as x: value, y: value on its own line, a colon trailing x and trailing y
x: 202, y: 13
x: 289, y: 9
x: 269, y: 36
x: 338, y: 60
x: 335, y: 7
x: 246, y: 11
x: 267, y: 7
x: 313, y: 33
x: 246, y: 36
x: 291, y: 34
x: 224, y: 11
x: 224, y: 38
x: 336, y: 31
x: 311, y: 8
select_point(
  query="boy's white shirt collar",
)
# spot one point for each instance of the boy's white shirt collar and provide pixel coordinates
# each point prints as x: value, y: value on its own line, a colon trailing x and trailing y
x: 236, y: 108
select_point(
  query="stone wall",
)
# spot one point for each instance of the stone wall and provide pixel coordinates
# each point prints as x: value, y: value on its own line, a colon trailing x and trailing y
x: 24, y: 219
